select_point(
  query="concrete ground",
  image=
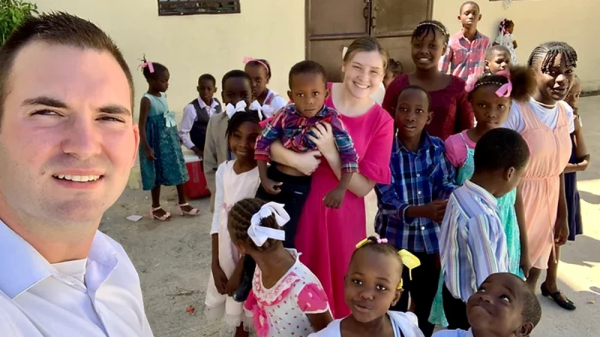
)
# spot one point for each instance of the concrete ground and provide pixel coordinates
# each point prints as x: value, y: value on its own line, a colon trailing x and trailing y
x: 173, y: 259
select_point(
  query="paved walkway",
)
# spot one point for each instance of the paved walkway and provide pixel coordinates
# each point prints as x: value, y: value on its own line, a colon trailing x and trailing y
x: 173, y: 259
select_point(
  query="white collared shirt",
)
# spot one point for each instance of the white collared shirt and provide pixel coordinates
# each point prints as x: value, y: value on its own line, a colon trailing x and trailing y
x: 38, y: 299
x: 189, y: 117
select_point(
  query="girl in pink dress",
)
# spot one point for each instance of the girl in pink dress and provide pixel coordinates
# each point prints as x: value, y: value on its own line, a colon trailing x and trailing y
x: 326, y: 237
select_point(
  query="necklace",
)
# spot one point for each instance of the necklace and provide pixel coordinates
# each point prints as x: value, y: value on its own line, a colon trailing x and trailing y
x: 545, y: 106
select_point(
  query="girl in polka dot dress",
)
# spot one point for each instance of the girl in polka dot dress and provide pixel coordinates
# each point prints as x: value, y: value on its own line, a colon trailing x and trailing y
x: 287, y: 299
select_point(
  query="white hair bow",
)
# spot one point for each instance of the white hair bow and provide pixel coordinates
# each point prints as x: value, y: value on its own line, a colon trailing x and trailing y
x: 268, y: 110
x: 256, y: 106
x: 232, y: 110
x: 260, y: 234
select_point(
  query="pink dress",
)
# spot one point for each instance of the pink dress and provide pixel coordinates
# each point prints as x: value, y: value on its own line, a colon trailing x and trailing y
x: 327, y: 237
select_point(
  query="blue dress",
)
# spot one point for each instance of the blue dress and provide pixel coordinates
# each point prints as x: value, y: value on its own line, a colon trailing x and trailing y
x: 168, y: 168
x: 573, y: 204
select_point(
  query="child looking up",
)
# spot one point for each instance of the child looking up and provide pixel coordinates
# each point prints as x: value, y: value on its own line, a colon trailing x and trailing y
x: 413, y: 205
x: 466, y: 52
x: 161, y: 159
x: 260, y: 72
x: 505, y: 38
x: 372, y: 285
x: 451, y: 110
x: 579, y: 162
x: 472, y: 239
x: 287, y: 299
x: 236, y: 89
x: 497, y: 59
x: 197, y: 113
x: 503, y: 306
x: 235, y: 180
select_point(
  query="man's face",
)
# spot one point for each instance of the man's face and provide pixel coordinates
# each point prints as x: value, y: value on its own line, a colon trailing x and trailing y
x: 67, y: 137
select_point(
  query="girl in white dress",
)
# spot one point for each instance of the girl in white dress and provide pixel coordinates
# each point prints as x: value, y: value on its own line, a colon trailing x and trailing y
x: 260, y: 72
x: 235, y: 180
x: 286, y: 299
x: 507, y: 39
x: 374, y: 284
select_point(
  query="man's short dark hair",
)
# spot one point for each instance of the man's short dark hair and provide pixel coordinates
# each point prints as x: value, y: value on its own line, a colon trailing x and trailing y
x: 501, y: 149
x: 61, y: 29
x: 307, y: 67
x: 207, y: 77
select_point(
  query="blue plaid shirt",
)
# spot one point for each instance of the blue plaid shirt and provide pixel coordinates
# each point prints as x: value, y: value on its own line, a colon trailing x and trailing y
x: 418, y: 178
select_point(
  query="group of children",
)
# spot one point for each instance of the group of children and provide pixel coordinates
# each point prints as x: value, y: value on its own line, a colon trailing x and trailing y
x: 453, y: 208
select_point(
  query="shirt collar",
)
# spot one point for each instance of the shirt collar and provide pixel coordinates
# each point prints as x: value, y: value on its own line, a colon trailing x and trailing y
x: 213, y: 103
x: 481, y: 192
x: 27, y: 267
x: 424, y: 143
x: 461, y: 35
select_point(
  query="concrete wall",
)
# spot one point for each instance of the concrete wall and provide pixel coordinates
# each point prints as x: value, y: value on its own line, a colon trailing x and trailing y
x: 539, y: 21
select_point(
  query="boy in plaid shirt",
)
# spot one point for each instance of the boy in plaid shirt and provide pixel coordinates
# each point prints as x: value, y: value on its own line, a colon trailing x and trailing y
x: 413, y: 205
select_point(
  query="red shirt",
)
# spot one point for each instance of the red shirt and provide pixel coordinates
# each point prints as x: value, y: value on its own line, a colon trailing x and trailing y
x: 452, y: 112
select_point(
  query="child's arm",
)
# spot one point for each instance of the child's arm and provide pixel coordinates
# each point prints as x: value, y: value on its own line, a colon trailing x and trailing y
x: 271, y: 132
x: 561, y: 228
x: 335, y: 197
x: 218, y: 275
x: 187, y: 122
x: 144, y: 109
x: 210, y: 162
x: 465, y: 118
x: 312, y: 301
x: 446, y: 61
x: 271, y: 186
x: 236, y: 278
x: 444, y: 176
x: 520, y: 211
x: 482, y: 243
x: 581, y: 151
x: 320, y: 321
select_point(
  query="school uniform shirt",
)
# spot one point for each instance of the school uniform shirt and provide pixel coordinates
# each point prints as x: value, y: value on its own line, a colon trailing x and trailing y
x: 418, y: 178
x: 95, y: 297
x: 189, y: 117
x: 472, y: 240
x: 403, y: 324
x: 465, y: 59
x: 453, y: 333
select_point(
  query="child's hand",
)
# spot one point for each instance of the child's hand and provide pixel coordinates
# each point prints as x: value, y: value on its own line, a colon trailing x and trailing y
x: 525, y: 264
x: 150, y: 154
x: 272, y: 187
x: 219, y: 278
x: 436, y: 210
x: 561, y: 231
x: 334, y: 198
x: 234, y: 281
x: 198, y: 152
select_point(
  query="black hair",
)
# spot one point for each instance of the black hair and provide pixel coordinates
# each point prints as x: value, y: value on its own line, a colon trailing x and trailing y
x: 158, y: 68
x: 431, y: 26
x: 307, y: 67
x: 522, y: 79
x: 235, y: 74
x: 493, y: 49
x: 381, y: 248
x: 416, y: 88
x: 547, y: 53
x: 505, y: 24
x: 469, y: 3
x: 240, y: 218
x: 532, y: 310
x: 261, y: 63
x: 207, y: 77
x: 501, y: 149
x: 395, y: 67
x: 240, y: 117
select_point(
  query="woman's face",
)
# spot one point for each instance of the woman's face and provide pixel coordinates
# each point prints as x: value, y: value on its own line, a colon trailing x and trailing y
x: 363, y: 73
x: 553, y: 84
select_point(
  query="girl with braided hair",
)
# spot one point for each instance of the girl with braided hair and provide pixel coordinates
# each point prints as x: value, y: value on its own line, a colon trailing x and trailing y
x: 506, y: 38
x: 546, y: 122
x: 287, y: 299
x: 235, y: 180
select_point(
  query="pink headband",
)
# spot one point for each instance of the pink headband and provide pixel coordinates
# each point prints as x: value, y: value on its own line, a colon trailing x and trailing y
x: 248, y: 59
x: 505, y: 89
x: 149, y: 65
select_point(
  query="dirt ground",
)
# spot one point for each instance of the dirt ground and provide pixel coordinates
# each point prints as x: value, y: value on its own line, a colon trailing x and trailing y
x: 173, y: 259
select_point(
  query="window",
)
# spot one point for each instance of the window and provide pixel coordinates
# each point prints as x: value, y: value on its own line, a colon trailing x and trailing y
x: 189, y: 7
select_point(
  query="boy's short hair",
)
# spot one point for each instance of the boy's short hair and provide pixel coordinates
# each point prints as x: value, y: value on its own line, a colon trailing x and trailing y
x: 416, y: 88
x: 469, y: 3
x: 497, y: 48
x: 532, y: 310
x: 501, y: 149
x: 235, y: 74
x: 207, y: 77
x: 307, y: 67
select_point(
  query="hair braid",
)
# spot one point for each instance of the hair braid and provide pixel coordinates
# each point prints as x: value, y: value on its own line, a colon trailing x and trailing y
x: 548, y: 52
x: 239, y: 220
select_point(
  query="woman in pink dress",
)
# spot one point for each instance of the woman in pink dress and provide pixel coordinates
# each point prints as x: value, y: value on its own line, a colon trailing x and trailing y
x: 327, y: 237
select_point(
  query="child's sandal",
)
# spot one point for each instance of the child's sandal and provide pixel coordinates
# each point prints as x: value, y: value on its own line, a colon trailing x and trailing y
x: 192, y: 212
x: 164, y: 217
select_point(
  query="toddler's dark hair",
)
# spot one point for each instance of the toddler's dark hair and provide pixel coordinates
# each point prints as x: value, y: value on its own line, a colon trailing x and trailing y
x: 505, y: 24
x: 416, y: 88
x: 381, y: 248
x: 395, y: 67
x: 547, y: 53
x: 240, y: 117
x: 207, y: 77
x: 159, y: 69
x: 235, y: 74
x: 522, y: 79
x: 257, y: 63
x: 501, y: 149
x: 469, y: 3
x: 493, y: 49
x: 307, y: 67
x: 532, y: 311
x: 239, y: 219
x: 431, y: 26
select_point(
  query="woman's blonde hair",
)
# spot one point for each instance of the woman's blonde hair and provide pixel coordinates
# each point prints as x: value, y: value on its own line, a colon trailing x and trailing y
x: 368, y: 44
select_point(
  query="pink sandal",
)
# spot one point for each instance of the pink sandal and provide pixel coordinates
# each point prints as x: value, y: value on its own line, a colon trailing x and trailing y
x: 193, y: 212
x: 165, y: 217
